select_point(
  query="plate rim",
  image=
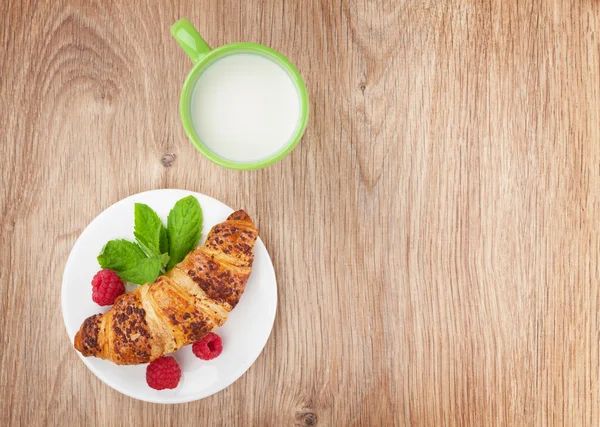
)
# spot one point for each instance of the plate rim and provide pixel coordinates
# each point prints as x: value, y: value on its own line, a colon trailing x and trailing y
x: 102, y: 378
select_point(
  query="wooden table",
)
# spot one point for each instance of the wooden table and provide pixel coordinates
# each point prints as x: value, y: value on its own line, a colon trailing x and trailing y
x: 435, y: 234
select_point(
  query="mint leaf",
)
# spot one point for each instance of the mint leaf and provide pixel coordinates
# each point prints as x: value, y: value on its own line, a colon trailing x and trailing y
x: 163, y: 241
x: 151, y: 234
x: 129, y: 262
x: 148, y: 228
x: 149, y: 252
x: 164, y: 260
x: 120, y: 255
x: 184, y: 227
x: 146, y: 271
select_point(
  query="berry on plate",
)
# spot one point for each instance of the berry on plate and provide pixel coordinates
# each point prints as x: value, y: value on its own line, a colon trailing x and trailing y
x: 208, y: 347
x: 163, y: 373
x: 106, y: 287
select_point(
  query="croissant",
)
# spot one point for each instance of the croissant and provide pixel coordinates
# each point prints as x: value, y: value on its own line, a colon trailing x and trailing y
x: 181, y: 306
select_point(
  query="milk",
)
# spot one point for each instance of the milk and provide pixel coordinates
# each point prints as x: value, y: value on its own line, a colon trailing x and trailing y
x: 245, y: 107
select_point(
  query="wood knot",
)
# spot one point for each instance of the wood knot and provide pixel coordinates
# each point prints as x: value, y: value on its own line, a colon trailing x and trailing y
x: 362, y: 84
x: 306, y: 419
x: 168, y: 159
x: 310, y: 419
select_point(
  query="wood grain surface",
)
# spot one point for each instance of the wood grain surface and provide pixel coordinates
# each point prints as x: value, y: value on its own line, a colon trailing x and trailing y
x: 435, y: 234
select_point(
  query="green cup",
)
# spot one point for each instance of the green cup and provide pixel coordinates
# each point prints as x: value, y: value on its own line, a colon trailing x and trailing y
x: 203, y: 57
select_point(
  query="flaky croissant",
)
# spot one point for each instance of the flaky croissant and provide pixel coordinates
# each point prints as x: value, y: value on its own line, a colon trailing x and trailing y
x: 181, y: 306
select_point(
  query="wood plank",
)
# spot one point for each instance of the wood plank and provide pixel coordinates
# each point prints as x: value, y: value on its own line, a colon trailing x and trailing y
x: 435, y: 234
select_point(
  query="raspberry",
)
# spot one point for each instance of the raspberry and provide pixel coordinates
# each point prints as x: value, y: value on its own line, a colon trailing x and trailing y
x: 163, y: 373
x: 208, y: 347
x: 106, y: 287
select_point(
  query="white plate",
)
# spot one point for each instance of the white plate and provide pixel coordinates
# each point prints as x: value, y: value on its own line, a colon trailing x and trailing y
x: 244, y: 334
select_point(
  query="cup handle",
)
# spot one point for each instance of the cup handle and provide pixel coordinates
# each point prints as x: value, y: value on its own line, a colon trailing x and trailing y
x: 189, y: 39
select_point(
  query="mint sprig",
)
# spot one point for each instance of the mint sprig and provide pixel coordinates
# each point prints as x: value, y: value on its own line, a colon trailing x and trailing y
x: 156, y: 246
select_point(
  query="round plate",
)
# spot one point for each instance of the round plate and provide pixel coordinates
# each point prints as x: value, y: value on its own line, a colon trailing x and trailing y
x: 244, y: 334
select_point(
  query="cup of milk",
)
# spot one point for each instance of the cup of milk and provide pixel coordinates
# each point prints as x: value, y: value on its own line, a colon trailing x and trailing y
x: 243, y: 105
